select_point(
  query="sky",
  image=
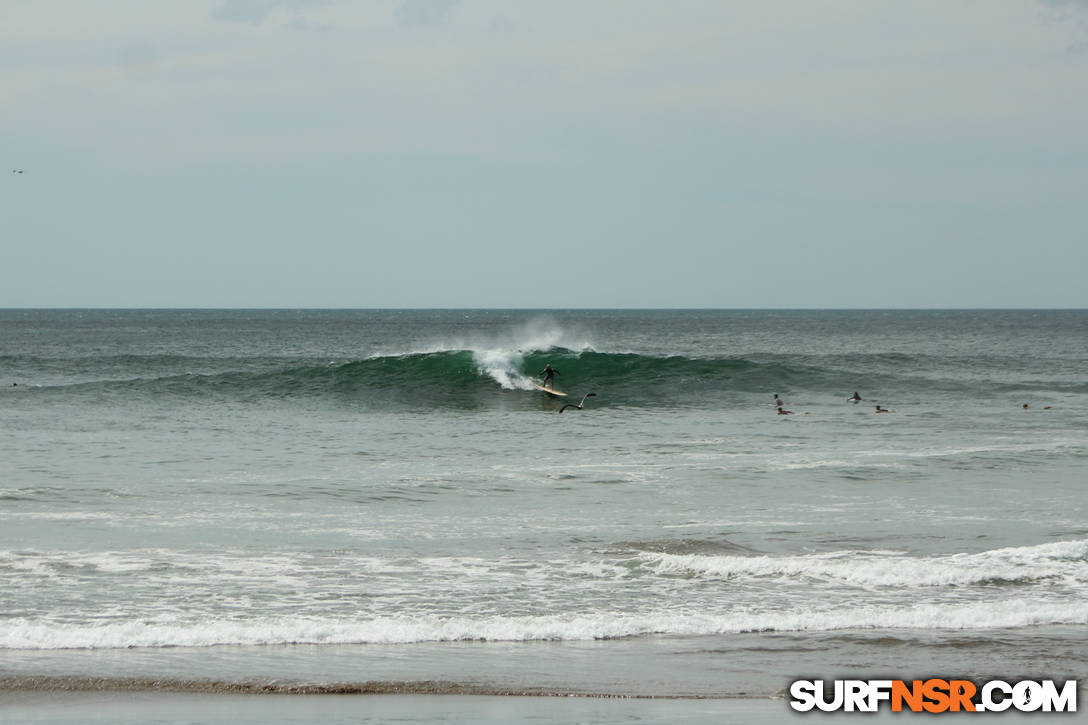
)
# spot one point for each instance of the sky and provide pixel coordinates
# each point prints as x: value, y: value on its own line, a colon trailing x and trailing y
x: 561, y: 154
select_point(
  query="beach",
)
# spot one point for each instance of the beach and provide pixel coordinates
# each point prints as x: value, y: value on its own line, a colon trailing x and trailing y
x: 166, y: 708
x: 143, y: 707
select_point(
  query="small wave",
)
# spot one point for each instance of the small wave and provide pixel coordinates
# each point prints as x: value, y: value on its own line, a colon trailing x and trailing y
x: 1061, y: 560
x: 1005, y: 614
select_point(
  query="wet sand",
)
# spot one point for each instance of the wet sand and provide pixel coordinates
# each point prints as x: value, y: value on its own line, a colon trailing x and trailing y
x: 64, y: 707
x: 220, y: 703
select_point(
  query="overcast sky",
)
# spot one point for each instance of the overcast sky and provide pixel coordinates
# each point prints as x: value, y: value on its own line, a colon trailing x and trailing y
x: 568, y: 153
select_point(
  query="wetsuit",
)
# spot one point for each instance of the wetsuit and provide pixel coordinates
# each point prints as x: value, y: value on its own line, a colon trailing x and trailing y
x: 549, y: 376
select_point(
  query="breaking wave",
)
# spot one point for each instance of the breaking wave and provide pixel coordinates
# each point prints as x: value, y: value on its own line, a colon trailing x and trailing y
x: 480, y: 377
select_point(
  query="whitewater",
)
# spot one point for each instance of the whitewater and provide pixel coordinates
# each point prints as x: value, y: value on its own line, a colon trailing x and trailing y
x: 346, y: 496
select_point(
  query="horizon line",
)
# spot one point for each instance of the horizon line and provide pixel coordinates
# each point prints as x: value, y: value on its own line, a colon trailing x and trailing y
x: 543, y: 309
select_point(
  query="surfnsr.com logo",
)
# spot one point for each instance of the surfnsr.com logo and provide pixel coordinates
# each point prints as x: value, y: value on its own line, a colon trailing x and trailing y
x: 933, y: 695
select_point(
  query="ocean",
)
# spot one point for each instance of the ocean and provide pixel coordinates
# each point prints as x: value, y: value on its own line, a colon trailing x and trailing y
x: 381, y: 501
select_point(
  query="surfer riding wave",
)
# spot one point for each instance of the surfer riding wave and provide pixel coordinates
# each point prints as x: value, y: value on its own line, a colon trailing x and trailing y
x: 549, y: 373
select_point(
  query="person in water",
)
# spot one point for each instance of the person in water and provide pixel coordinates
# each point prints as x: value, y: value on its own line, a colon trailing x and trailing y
x: 778, y: 401
x: 784, y: 412
x: 882, y: 410
x: 549, y: 373
x: 855, y: 398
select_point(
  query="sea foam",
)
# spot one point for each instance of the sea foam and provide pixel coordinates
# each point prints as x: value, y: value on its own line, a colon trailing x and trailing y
x: 1065, y: 561
x: 1010, y: 613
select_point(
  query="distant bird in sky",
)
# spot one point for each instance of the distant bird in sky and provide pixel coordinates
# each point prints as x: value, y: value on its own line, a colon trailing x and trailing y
x: 580, y: 405
x: 16, y: 171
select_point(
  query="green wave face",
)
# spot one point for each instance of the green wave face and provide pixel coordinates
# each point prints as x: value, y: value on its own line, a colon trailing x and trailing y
x: 507, y: 379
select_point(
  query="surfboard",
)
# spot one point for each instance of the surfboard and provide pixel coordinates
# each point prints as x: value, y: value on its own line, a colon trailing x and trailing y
x: 549, y: 391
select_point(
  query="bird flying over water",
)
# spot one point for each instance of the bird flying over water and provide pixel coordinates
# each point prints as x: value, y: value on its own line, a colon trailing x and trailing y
x: 16, y: 171
x: 581, y: 405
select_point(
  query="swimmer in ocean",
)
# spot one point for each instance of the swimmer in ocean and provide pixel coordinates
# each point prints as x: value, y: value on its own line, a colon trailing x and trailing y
x: 882, y: 410
x: 784, y: 412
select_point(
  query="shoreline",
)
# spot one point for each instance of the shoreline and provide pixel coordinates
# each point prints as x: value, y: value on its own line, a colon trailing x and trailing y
x: 125, y: 707
x: 82, y: 684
